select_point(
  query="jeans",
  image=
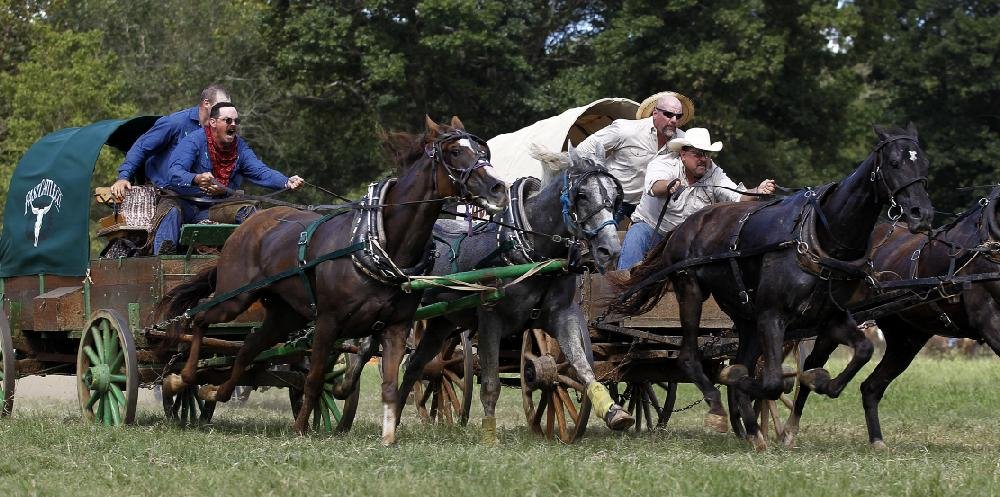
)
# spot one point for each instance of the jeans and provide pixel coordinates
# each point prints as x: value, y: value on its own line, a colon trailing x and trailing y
x: 638, y: 240
x: 170, y: 227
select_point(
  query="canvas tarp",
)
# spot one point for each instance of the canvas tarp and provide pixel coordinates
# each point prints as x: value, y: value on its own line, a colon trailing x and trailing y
x: 46, y: 227
x: 510, y: 152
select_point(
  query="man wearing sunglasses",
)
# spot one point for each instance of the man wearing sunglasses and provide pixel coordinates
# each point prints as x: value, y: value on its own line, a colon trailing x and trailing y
x: 206, y: 167
x: 148, y: 156
x: 626, y: 146
x: 691, y: 181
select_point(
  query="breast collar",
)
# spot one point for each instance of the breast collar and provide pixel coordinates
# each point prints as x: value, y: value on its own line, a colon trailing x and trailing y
x: 522, y: 251
x: 368, y: 229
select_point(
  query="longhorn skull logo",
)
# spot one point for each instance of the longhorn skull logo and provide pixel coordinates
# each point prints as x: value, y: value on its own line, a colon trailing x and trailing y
x: 40, y: 200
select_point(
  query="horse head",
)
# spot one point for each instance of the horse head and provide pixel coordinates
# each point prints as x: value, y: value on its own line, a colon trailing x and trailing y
x: 466, y: 171
x: 901, y: 172
x: 591, y: 203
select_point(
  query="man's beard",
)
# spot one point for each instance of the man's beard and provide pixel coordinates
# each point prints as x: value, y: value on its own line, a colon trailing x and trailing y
x: 668, y: 132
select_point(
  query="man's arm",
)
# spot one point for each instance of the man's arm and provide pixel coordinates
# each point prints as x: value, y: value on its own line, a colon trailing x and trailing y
x: 661, y: 172
x: 152, y: 141
x: 182, y: 161
x: 259, y: 173
x: 597, y: 145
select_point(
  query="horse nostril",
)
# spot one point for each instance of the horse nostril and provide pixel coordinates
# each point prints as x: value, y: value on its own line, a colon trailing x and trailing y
x: 915, y: 213
x: 498, y: 189
x: 604, y: 252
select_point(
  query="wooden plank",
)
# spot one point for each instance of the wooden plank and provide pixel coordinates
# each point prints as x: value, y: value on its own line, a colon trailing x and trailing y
x: 60, y: 309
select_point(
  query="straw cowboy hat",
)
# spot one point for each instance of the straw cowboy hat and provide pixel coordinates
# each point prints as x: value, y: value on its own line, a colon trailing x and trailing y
x: 697, y: 138
x: 646, y: 107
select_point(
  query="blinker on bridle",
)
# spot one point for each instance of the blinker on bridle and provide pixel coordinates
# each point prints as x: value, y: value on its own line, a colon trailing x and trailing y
x: 570, y: 190
x: 435, y: 153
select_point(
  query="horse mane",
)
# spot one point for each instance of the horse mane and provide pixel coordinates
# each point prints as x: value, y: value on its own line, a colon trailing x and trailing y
x: 405, y: 149
x: 646, y: 298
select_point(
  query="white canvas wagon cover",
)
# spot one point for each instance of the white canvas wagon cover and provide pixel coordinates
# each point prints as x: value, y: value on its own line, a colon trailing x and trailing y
x: 510, y: 152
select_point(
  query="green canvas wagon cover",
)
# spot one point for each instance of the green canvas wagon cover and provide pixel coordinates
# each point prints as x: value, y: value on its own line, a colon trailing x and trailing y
x: 511, y: 153
x: 46, y: 223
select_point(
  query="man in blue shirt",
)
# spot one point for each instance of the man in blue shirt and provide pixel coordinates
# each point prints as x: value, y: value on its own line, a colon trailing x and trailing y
x: 152, y: 150
x: 207, y: 166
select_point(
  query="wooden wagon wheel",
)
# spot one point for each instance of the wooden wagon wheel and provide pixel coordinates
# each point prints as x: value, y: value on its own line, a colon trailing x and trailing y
x: 107, y: 376
x: 772, y: 413
x: 651, y: 409
x: 447, y: 383
x: 331, y: 414
x: 182, y: 404
x: 550, y: 392
x: 7, y: 367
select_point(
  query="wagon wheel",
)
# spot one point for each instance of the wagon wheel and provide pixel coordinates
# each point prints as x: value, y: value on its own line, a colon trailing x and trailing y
x: 650, y: 408
x: 550, y: 392
x: 772, y: 413
x: 7, y: 367
x: 330, y: 412
x: 107, y: 376
x: 447, y: 383
x: 186, y: 407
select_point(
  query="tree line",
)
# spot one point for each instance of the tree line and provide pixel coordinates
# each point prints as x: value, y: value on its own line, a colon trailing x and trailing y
x: 791, y: 87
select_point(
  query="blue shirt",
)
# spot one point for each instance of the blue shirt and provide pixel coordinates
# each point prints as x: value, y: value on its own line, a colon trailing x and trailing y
x: 190, y: 158
x: 152, y: 149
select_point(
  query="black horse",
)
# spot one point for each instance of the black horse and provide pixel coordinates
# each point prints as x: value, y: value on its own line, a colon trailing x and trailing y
x: 782, y: 270
x: 968, y: 246
x: 580, y: 204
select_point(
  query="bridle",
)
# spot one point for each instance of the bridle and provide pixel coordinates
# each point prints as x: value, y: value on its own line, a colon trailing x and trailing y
x: 458, y: 177
x: 569, y: 193
x: 878, y: 174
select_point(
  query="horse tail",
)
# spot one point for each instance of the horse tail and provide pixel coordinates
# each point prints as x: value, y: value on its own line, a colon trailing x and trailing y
x: 183, y: 297
x: 639, y: 291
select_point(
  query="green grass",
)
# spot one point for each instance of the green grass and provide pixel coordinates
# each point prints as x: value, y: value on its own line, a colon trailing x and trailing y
x: 939, y: 420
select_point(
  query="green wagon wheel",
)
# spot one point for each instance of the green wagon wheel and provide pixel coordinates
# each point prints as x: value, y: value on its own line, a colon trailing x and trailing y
x: 107, y: 376
x: 650, y: 403
x: 447, y: 383
x: 555, y: 402
x: 7, y: 372
x: 332, y: 414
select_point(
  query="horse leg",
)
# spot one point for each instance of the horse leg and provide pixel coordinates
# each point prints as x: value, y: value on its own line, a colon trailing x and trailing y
x: 393, y: 347
x: 490, y: 328
x: 435, y: 333
x: 356, y: 366
x: 740, y: 403
x: 901, y: 346
x: 690, y: 299
x: 221, y: 313
x: 812, y: 377
x: 846, y: 333
x: 568, y: 324
x: 324, y: 336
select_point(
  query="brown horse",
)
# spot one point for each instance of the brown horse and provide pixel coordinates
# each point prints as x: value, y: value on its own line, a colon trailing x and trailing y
x: 781, y: 269
x: 346, y: 297
x: 968, y: 246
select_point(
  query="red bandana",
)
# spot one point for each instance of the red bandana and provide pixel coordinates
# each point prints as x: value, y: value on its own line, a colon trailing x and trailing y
x: 223, y: 161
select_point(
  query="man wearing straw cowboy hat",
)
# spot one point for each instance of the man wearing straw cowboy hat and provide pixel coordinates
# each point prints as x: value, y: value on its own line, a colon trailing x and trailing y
x: 626, y: 146
x: 677, y: 185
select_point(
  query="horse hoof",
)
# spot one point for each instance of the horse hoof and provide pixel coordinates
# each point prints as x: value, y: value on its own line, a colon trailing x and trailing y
x: 732, y: 374
x: 788, y: 439
x: 815, y: 379
x: 879, y: 446
x: 759, y: 442
x: 172, y: 384
x: 208, y: 392
x: 618, y: 419
x: 717, y: 422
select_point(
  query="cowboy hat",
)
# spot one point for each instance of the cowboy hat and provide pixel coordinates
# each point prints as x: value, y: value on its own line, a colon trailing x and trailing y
x: 646, y: 107
x: 696, y: 138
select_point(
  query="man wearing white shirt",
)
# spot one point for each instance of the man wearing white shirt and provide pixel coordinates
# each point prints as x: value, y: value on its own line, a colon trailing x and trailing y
x: 689, y: 169
x: 626, y: 146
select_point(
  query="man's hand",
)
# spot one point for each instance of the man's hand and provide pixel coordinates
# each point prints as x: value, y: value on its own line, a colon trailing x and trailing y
x: 294, y: 183
x: 766, y: 187
x: 120, y: 187
x: 207, y: 183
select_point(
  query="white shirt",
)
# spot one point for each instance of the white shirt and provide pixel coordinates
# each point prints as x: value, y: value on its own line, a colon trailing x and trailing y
x: 691, y: 200
x: 625, y: 147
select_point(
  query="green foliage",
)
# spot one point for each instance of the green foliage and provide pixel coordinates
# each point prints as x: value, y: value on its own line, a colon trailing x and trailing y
x: 67, y: 80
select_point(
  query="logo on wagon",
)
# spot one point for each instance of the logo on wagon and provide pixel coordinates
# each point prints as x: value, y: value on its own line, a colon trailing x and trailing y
x: 40, y: 200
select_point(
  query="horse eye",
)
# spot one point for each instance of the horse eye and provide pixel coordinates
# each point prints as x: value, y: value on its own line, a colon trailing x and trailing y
x: 455, y: 152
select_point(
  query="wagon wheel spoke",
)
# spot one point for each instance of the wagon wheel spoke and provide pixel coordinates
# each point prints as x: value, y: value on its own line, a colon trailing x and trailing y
x: 546, y: 393
x: 330, y: 413
x: 107, y: 371
x: 560, y: 414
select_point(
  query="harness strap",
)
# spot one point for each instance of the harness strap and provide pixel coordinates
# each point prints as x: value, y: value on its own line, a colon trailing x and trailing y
x: 257, y: 285
x: 943, y: 317
x: 663, y: 210
x: 304, y: 238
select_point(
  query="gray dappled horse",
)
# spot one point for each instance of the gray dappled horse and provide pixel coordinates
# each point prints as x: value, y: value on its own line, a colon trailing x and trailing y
x: 783, y: 270
x: 579, y: 203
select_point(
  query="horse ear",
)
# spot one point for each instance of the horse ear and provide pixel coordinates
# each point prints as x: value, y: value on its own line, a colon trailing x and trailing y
x: 457, y: 123
x: 880, y: 132
x: 433, y: 129
x: 573, y: 156
x: 911, y: 128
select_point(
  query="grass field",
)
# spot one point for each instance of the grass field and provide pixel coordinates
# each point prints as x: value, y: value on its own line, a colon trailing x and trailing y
x: 939, y: 420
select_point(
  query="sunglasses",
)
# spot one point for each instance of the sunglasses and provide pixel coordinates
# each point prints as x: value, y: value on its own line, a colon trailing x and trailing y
x: 701, y: 154
x: 229, y: 120
x: 667, y: 114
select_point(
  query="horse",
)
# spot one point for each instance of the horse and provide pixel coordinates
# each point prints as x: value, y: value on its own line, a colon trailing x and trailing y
x: 357, y: 293
x: 970, y: 245
x: 581, y: 204
x: 781, y: 270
